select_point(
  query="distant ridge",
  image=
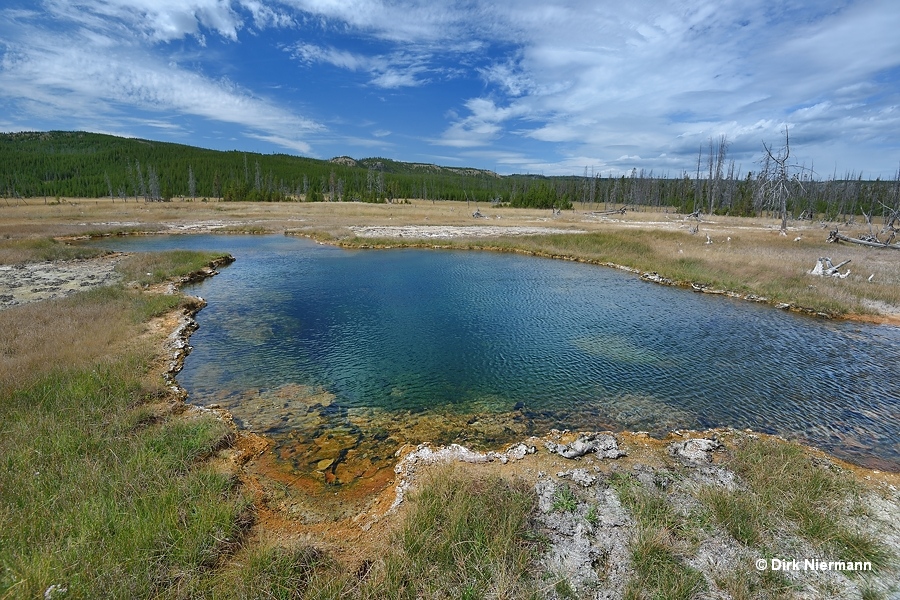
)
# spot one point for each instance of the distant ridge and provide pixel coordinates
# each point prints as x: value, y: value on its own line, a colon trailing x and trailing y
x: 84, y: 164
x: 392, y: 166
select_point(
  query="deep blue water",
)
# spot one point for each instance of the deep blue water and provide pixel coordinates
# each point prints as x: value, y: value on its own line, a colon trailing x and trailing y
x: 411, y: 330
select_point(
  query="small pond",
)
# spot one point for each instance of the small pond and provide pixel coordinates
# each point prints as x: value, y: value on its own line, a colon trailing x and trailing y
x: 302, y: 340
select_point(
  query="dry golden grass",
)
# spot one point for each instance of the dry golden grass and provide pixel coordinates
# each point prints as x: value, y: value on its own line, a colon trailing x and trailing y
x: 87, y: 328
x: 71, y: 332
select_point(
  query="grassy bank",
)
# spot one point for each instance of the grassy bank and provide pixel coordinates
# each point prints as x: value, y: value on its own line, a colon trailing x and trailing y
x: 462, y: 536
x: 105, y: 491
x: 749, y: 264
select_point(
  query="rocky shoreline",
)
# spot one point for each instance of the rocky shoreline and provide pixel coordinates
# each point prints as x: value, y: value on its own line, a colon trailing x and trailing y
x: 590, y: 531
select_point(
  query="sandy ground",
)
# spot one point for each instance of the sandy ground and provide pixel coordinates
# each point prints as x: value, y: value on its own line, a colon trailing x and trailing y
x: 446, y: 232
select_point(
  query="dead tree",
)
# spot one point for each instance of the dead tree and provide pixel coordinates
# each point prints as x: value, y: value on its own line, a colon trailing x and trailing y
x: 716, y: 162
x: 776, y: 178
x: 618, y: 211
x: 836, y: 236
x: 824, y: 268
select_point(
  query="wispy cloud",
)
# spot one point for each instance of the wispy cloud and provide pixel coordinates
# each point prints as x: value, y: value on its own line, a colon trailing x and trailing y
x: 645, y: 84
x: 397, y: 70
x: 96, y: 75
x: 739, y: 69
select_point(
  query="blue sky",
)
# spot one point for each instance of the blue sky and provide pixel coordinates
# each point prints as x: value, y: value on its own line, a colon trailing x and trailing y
x: 524, y: 86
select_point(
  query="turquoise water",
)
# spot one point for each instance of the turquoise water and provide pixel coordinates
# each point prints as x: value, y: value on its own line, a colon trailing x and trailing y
x: 548, y: 343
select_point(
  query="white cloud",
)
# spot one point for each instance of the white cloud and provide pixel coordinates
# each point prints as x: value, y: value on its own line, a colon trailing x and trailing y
x: 731, y: 68
x: 365, y: 142
x: 311, y: 53
x: 481, y: 127
x: 158, y: 20
x: 397, y: 70
x: 92, y: 78
x: 578, y: 79
x: 417, y: 21
x: 392, y: 78
x: 285, y: 142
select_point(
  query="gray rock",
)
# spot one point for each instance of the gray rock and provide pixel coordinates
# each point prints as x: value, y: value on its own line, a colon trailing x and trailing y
x: 519, y: 451
x: 579, y: 476
x: 694, y: 452
x: 602, y: 444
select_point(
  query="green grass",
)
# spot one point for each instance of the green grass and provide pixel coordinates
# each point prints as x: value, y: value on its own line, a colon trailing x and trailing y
x: 92, y: 502
x: 139, y: 307
x: 739, y: 513
x: 564, y: 499
x: 156, y: 267
x: 648, y: 506
x: 786, y: 490
x: 464, y: 537
x: 102, y: 490
x: 119, y: 231
x: 270, y: 571
x: 14, y: 251
x: 659, y: 570
x: 660, y: 543
x: 244, y: 230
x: 786, y: 486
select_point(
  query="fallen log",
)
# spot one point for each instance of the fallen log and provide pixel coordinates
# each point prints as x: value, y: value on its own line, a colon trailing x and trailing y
x: 835, y: 236
x: 618, y: 211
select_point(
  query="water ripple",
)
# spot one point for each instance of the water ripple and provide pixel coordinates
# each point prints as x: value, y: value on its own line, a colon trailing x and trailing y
x: 414, y: 330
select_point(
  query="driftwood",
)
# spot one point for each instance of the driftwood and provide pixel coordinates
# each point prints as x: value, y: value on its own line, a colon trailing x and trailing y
x: 618, y: 211
x: 835, y: 236
x: 824, y: 268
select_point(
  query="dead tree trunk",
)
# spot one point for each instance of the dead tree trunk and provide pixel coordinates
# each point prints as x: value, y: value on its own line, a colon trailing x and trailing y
x: 835, y: 236
x: 824, y: 268
x: 775, y: 178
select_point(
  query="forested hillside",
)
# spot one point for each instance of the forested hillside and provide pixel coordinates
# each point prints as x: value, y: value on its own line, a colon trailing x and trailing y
x: 78, y: 164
